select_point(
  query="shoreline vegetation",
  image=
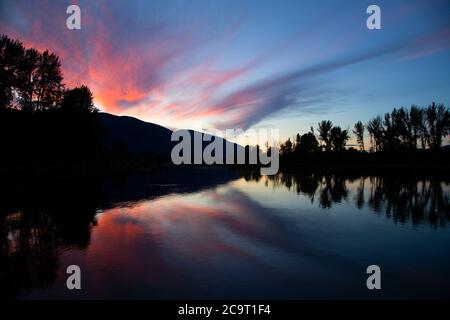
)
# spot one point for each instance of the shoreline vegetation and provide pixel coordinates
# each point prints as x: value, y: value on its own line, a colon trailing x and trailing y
x: 48, y: 129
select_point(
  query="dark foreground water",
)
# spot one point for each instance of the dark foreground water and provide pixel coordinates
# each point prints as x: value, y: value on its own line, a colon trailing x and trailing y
x: 303, y: 236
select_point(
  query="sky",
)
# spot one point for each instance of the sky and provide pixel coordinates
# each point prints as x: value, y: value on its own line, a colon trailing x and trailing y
x: 217, y: 64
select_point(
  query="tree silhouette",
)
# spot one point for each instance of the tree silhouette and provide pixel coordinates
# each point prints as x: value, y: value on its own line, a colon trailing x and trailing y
x: 437, y: 119
x: 49, y: 88
x: 41, y: 123
x: 359, y: 133
x: 286, y: 147
x: 297, y: 143
x: 36, y: 78
x: 416, y: 116
x: 324, y: 134
x: 402, y: 128
x: 11, y: 53
x: 79, y: 99
x: 308, y: 143
x: 26, y: 73
x: 375, y: 129
x: 338, y: 138
x: 390, y: 140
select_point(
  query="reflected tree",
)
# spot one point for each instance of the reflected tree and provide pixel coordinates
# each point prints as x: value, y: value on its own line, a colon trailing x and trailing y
x: 35, y: 224
x: 402, y: 199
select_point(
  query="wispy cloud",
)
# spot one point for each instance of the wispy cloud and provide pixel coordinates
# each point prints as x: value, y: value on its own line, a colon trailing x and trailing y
x: 271, y: 95
x: 145, y: 66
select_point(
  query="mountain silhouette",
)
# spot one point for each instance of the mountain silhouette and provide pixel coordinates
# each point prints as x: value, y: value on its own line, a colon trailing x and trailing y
x: 136, y: 135
x: 139, y: 137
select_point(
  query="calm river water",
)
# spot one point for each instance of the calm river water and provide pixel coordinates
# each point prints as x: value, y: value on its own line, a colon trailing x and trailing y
x: 302, y: 236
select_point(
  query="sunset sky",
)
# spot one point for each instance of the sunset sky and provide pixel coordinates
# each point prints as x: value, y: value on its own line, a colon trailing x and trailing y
x: 242, y: 63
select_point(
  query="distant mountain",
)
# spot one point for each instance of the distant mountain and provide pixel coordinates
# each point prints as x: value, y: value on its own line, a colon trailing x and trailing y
x: 136, y: 135
x: 143, y: 137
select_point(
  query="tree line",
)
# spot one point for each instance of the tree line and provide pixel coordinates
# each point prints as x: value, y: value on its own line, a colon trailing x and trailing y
x: 32, y: 81
x: 402, y: 129
x: 405, y: 128
x: 42, y: 121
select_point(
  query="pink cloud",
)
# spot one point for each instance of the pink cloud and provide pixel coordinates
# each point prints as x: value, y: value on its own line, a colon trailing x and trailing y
x: 148, y: 71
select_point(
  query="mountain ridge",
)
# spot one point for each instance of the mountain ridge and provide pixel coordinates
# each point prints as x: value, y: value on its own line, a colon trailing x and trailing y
x: 139, y: 136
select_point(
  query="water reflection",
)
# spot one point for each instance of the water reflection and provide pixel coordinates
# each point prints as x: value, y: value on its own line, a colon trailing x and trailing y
x: 35, y: 224
x: 402, y: 199
x: 221, y: 236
